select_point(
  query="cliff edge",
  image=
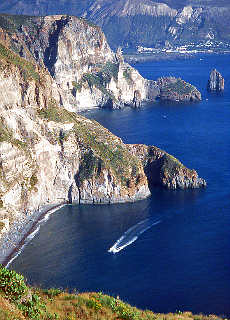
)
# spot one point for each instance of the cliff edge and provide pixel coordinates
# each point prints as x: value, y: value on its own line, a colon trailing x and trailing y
x: 88, y: 73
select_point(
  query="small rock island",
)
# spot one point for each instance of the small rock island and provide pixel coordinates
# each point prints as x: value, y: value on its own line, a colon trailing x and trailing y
x: 215, y: 82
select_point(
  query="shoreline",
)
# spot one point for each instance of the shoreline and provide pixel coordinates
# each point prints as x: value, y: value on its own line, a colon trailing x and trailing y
x: 22, y: 231
x: 135, y: 58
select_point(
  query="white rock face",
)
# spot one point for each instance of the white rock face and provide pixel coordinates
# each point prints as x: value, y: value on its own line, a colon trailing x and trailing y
x: 40, y: 160
x: 72, y: 49
x: 132, y: 8
x: 184, y: 15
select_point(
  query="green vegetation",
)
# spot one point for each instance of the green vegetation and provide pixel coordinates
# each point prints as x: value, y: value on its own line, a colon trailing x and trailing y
x: 21, y: 302
x: 26, y: 67
x: 103, y: 149
x: 12, y: 284
x: 6, y: 135
x: 89, y: 166
x: 55, y: 113
x: 11, y: 23
x: 33, y: 180
x: 52, y: 292
x: 179, y: 86
x: 127, y: 74
x: 111, y: 153
x: 99, y: 78
x: 171, y: 164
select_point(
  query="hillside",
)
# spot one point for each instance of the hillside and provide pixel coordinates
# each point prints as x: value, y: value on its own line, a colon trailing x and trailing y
x: 147, y: 23
x: 23, y: 302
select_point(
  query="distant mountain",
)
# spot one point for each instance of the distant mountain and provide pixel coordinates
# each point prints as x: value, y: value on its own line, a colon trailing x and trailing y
x: 146, y: 23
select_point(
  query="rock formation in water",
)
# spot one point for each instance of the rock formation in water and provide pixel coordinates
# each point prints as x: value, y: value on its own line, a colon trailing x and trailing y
x: 163, y: 169
x: 177, y: 90
x: 216, y: 81
x: 49, y: 154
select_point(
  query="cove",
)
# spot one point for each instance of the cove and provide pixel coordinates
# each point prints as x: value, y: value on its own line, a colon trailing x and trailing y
x: 181, y: 263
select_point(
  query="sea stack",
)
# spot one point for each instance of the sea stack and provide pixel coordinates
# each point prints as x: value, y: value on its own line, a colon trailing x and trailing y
x: 216, y: 81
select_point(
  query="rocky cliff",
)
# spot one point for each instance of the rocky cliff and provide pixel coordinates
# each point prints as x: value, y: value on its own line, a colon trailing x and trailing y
x: 163, y: 169
x: 49, y: 154
x: 79, y: 59
x: 216, y: 81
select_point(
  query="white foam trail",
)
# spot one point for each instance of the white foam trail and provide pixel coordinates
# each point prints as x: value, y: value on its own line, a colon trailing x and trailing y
x: 132, y: 234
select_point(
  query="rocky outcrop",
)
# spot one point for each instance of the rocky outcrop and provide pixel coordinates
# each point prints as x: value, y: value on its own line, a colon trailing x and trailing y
x: 162, y: 169
x: 86, y: 71
x: 216, y: 81
x: 177, y: 90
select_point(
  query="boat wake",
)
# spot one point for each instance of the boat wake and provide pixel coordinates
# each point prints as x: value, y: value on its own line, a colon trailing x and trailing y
x: 132, y: 234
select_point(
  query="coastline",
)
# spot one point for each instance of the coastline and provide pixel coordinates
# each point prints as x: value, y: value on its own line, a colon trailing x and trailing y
x: 22, y: 231
x: 134, y: 58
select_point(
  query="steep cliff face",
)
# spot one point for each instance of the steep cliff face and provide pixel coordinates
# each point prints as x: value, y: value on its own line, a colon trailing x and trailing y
x: 151, y: 23
x: 80, y: 61
x: 165, y: 170
x: 51, y: 155
x: 216, y: 81
x: 77, y: 56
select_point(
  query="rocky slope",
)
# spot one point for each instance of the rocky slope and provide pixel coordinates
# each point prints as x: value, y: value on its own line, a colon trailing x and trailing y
x: 141, y: 23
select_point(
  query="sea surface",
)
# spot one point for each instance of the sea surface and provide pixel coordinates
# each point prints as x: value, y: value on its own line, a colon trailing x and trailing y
x: 171, y: 251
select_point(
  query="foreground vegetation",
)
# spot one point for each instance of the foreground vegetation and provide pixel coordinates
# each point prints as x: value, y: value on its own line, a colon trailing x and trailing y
x: 18, y: 301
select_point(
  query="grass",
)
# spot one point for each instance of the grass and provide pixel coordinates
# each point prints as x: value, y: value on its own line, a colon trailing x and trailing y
x: 26, y: 67
x: 6, y: 135
x: 18, y: 301
x: 100, y: 78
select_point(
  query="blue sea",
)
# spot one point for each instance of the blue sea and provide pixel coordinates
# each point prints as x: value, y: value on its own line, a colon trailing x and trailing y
x: 171, y: 251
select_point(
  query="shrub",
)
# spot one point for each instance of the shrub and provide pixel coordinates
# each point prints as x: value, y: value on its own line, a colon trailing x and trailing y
x: 33, y: 180
x: 52, y: 292
x: 12, y: 284
x: 94, y: 304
